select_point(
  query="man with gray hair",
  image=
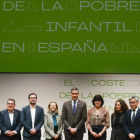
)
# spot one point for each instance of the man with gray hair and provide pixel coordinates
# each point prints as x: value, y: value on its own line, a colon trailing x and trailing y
x: 10, y: 122
x: 131, y: 121
x: 74, y: 114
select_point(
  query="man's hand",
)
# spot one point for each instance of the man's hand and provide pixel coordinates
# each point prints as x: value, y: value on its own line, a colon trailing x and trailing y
x: 8, y: 133
x: 131, y: 136
x: 56, y: 136
x: 73, y: 130
x: 13, y: 133
x: 33, y: 131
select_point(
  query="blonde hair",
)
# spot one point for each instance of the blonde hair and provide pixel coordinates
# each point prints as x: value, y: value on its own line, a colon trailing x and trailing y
x: 57, y: 112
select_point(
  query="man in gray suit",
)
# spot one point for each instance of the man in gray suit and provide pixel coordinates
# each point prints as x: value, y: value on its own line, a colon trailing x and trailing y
x: 74, y: 114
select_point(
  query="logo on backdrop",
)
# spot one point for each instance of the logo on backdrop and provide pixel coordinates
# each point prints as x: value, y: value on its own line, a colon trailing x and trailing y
x: 91, y: 84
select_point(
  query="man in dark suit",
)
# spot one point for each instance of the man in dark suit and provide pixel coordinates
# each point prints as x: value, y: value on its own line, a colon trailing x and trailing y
x: 10, y: 122
x: 131, y: 121
x: 74, y: 114
x: 32, y: 118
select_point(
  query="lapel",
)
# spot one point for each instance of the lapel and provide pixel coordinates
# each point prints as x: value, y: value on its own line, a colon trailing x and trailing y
x: 29, y: 113
x: 51, y: 117
x: 7, y: 118
x: 137, y: 114
x: 114, y: 119
x: 36, y: 115
x: 129, y: 116
x: 70, y: 105
x: 57, y: 118
x: 15, y: 116
x: 78, y: 103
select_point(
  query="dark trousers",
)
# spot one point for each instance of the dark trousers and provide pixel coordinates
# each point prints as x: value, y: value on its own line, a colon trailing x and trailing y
x: 74, y: 136
x: 31, y: 138
x: 55, y: 131
x: 137, y: 138
x: 97, y: 129
x: 5, y: 137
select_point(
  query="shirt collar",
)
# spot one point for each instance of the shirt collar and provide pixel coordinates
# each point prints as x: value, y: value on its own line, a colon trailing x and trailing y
x: 75, y: 101
x: 10, y: 113
x: 135, y: 109
x: 31, y: 107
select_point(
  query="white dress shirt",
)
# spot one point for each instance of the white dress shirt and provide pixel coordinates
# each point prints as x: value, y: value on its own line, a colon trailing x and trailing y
x: 33, y: 111
x: 11, y: 116
x: 133, y: 112
x: 75, y: 103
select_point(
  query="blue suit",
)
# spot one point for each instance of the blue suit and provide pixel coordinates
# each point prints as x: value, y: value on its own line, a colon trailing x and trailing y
x: 127, y: 124
x: 5, y: 125
x: 26, y: 121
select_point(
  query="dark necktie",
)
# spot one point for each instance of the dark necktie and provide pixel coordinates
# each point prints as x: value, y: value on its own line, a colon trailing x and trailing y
x: 74, y: 108
x: 133, y: 117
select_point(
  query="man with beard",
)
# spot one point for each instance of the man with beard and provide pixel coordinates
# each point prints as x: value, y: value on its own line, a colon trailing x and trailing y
x: 32, y: 118
x: 10, y: 122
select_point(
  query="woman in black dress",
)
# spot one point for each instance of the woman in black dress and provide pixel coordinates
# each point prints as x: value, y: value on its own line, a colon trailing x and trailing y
x: 118, y: 132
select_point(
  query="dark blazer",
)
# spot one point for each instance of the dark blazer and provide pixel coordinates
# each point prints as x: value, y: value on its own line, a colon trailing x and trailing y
x: 76, y: 120
x: 5, y: 124
x: 26, y: 120
x: 127, y: 124
x: 117, y: 133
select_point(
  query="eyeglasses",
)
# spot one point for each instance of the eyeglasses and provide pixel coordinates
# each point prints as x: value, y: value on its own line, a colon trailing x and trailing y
x: 33, y: 98
x: 132, y: 102
x: 52, y: 105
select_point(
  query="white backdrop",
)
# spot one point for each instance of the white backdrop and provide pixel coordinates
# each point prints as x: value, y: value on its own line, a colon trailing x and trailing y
x: 56, y: 87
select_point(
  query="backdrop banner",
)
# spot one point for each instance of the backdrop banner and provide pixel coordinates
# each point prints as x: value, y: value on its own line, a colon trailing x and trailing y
x: 96, y: 36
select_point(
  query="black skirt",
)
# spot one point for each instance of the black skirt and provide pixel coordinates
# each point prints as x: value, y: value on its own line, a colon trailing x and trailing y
x: 97, y: 129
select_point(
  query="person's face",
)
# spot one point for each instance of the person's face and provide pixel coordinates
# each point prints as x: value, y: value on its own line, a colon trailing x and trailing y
x: 133, y: 103
x: 32, y: 99
x: 10, y: 105
x: 53, y: 107
x: 118, y: 106
x: 97, y: 103
x: 74, y: 95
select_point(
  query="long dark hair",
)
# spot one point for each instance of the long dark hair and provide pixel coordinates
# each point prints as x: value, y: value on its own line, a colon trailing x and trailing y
x: 123, y: 104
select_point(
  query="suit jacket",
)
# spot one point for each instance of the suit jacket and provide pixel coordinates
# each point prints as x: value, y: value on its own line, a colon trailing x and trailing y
x: 117, y: 133
x: 5, y: 124
x: 76, y: 120
x: 26, y: 120
x: 49, y: 126
x: 127, y: 124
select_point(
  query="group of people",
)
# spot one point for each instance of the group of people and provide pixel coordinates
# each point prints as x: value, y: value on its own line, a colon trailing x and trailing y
x: 125, y: 123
